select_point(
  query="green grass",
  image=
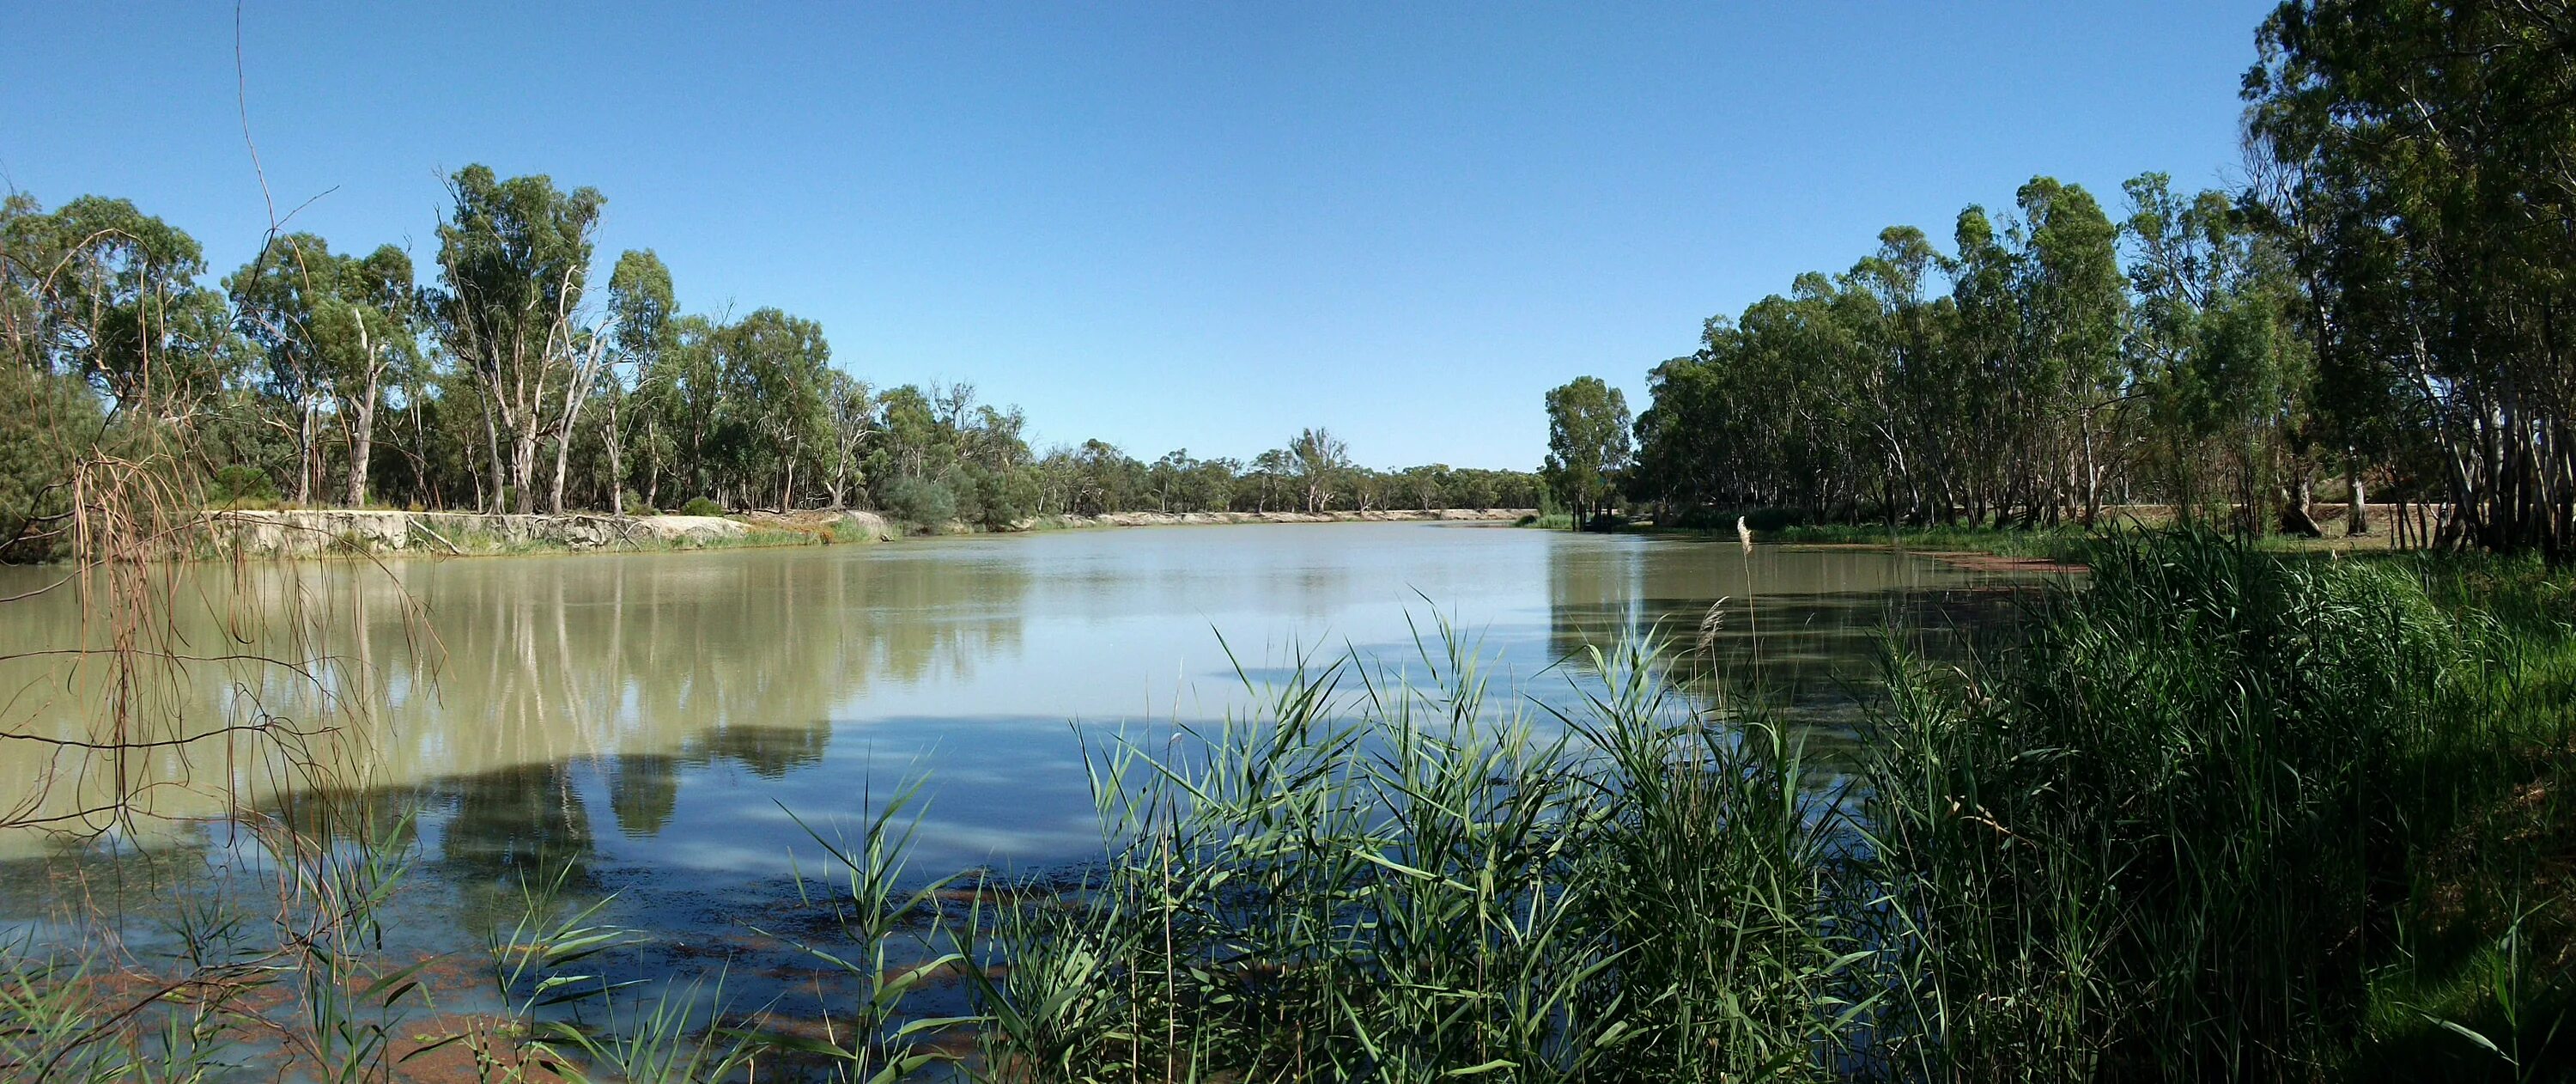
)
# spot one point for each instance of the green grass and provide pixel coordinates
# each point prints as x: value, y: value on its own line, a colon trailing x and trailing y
x: 2052, y: 543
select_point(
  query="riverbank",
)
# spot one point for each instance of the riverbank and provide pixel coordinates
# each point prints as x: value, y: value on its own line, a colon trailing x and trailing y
x: 324, y: 532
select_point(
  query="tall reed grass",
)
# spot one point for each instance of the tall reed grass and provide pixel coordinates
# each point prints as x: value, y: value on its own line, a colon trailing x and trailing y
x: 2181, y: 832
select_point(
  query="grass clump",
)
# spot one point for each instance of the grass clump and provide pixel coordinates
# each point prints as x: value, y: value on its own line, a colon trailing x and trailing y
x: 1411, y: 885
x: 2194, y: 829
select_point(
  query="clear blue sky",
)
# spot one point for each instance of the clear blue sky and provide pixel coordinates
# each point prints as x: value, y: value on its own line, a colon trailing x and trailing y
x: 1187, y: 225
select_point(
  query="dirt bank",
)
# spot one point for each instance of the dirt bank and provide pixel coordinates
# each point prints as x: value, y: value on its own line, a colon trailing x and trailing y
x: 326, y: 531
x: 314, y: 532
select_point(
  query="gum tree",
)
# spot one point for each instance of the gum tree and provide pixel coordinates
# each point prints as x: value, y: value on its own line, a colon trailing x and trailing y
x: 1587, y: 444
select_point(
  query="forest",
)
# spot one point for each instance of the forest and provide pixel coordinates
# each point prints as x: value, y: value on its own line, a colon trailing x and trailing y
x: 2378, y: 309
x: 504, y: 378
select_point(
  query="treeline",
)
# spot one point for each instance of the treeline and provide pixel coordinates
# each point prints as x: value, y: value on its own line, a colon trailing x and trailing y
x: 2386, y: 305
x: 2041, y: 368
x: 504, y: 377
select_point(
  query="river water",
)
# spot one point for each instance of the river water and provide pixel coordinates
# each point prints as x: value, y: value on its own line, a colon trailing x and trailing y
x: 671, y: 726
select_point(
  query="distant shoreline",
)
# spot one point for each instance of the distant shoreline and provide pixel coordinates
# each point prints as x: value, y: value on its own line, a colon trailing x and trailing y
x: 292, y: 534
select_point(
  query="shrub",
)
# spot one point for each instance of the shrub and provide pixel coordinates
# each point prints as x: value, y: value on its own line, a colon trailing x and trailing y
x: 700, y: 506
x: 240, y: 484
x: 921, y: 501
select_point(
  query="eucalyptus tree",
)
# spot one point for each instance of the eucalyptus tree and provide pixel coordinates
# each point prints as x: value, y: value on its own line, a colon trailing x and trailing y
x: 684, y: 399
x: 644, y: 304
x: 2217, y: 353
x: 1269, y: 472
x: 339, y: 331
x: 514, y: 257
x: 2421, y: 162
x: 915, y: 444
x: 1169, y: 474
x: 774, y: 369
x: 100, y: 290
x: 1587, y: 444
x: 1319, y: 458
x: 2074, y: 302
x: 849, y: 412
x: 1983, y: 275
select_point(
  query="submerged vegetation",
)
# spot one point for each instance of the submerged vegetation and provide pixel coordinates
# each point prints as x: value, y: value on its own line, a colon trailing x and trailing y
x: 2214, y: 813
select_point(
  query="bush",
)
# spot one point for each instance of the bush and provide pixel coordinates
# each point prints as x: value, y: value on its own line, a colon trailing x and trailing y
x: 921, y: 501
x: 238, y: 485
x: 700, y: 506
x: 991, y: 499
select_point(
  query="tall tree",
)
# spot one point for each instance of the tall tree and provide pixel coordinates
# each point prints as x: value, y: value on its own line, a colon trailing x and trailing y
x: 2421, y: 162
x: 338, y: 330
x: 640, y: 295
x: 1587, y: 444
x: 99, y: 289
x: 2074, y: 302
x: 514, y: 257
x: 775, y: 366
x: 1320, y: 458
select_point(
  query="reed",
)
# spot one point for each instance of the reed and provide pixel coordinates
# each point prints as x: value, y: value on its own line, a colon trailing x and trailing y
x: 1384, y: 876
x: 2192, y: 827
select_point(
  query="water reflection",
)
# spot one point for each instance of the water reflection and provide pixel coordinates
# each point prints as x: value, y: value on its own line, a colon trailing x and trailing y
x: 1799, y: 624
x: 651, y: 721
x: 454, y: 669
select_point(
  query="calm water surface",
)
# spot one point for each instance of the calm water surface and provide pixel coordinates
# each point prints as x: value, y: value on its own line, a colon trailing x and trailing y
x: 652, y: 719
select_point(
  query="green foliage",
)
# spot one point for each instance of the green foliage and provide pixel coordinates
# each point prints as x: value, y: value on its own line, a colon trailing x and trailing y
x: 700, y: 506
x: 101, y: 291
x: 2411, y: 149
x: 1410, y: 885
x: 514, y: 258
x: 47, y: 423
x: 1587, y: 444
x: 2191, y: 827
x: 240, y: 485
x: 507, y: 384
x: 1877, y: 394
x: 337, y: 331
x: 922, y: 501
x: 993, y: 499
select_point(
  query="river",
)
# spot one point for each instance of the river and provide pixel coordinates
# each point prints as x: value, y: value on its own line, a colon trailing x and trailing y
x: 671, y: 726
